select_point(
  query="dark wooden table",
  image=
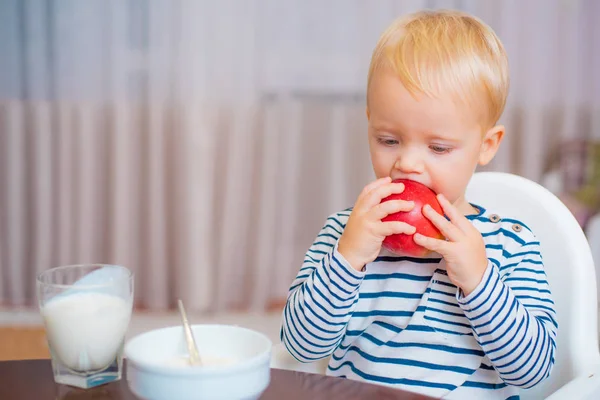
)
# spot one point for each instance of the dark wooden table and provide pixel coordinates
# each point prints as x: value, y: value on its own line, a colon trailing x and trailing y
x: 32, y: 379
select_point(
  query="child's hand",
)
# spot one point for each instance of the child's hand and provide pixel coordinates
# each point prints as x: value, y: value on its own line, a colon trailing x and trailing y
x: 361, y: 240
x: 464, y: 249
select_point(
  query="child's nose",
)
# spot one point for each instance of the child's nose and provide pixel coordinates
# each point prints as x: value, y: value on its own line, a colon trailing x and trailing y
x: 409, y: 163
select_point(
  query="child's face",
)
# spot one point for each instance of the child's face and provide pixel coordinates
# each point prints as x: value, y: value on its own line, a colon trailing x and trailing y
x: 435, y: 141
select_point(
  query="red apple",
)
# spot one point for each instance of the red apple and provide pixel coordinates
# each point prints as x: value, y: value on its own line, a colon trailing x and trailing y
x: 420, y: 195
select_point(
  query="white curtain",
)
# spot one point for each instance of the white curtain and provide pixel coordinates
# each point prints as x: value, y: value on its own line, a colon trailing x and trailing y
x: 203, y: 143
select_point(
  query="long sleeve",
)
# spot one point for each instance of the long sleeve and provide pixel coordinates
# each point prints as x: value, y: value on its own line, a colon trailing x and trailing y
x: 513, y: 318
x: 322, y: 297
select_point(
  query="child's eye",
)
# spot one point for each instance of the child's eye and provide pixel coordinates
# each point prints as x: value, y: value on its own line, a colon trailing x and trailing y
x: 439, y: 149
x: 387, y: 141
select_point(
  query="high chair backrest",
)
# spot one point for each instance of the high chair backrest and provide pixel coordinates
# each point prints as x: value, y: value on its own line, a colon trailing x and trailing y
x: 568, y: 263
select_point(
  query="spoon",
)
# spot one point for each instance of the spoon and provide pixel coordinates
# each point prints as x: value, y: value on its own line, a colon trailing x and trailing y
x: 189, y: 337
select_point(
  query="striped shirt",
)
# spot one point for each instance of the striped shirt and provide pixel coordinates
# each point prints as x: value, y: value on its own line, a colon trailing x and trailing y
x: 403, y: 323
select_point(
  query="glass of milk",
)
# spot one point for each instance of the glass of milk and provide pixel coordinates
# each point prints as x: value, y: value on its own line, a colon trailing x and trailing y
x: 86, y: 311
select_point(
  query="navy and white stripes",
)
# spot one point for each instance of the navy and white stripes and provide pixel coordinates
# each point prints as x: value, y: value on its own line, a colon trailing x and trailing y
x: 403, y: 323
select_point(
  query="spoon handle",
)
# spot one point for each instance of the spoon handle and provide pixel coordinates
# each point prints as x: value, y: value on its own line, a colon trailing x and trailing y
x: 189, y: 337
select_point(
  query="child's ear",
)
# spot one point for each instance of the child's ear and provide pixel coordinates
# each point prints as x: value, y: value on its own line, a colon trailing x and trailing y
x: 368, y: 113
x: 490, y: 144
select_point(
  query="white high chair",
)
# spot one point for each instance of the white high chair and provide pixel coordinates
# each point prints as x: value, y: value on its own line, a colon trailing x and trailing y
x: 571, y: 274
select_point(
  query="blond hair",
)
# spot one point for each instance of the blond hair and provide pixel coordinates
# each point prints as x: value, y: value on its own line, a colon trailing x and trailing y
x: 446, y: 51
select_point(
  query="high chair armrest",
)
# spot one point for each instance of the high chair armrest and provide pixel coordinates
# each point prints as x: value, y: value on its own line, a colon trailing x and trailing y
x: 581, y: 388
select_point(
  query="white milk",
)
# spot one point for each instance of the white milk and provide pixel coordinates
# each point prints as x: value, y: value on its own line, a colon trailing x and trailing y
x: 86, y: 330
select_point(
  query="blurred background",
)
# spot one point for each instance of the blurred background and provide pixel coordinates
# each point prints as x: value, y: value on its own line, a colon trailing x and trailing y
x: 203, y: 143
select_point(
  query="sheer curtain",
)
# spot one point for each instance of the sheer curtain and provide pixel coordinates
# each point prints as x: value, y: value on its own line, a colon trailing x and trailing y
x: 203, y: 143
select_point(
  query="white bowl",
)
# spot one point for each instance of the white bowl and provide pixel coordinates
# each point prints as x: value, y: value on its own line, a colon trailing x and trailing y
x: 152, y: 376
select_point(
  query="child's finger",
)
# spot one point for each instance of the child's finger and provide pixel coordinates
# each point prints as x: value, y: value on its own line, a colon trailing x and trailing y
x: 375, y: 196
x: 384, y: 209
x: 362, y: 204
x: 375, y: 184
x: 450, y: 231
x: 396, y: 227
x: 437, y: 245
x: 456, y: 217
